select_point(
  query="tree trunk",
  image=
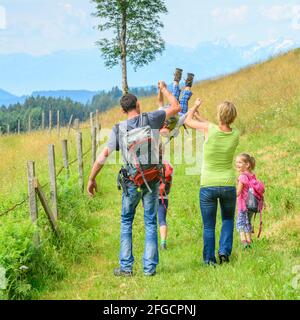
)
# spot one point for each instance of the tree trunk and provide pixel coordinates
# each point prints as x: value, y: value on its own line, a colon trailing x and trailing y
x: 123, y: 52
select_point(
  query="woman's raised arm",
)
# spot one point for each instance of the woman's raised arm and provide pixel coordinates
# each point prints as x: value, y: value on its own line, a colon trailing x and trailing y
x: 200, y: 123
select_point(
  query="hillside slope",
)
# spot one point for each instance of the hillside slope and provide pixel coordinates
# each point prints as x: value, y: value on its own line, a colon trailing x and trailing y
x: 268, y: 101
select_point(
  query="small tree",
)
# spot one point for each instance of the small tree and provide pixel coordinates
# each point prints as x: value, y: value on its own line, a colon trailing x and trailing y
x: 135, y: 28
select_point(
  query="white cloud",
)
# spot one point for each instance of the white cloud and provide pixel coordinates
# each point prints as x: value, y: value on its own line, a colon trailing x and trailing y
x: 283, y: 13
x: 237, y: 14
x: 2, y: 18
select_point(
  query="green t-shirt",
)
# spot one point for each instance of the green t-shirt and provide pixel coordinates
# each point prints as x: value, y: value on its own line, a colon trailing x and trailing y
x: 218, y: 151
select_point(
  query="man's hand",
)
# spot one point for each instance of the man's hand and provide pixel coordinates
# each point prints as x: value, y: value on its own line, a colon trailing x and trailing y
x: 161, y: 85
x: 92, y: 187
x: 198, y: 103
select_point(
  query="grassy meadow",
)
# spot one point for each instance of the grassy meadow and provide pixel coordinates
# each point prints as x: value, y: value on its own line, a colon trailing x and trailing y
x: 81, y: 266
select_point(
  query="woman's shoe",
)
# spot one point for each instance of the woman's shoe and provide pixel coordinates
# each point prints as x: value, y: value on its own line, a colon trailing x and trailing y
x: 223, y: 258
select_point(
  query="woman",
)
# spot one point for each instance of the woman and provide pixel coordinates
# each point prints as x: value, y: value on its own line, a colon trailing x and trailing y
x: 217, y: 177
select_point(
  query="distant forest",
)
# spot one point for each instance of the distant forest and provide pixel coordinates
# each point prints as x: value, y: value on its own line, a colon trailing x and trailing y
x: 34, y: 106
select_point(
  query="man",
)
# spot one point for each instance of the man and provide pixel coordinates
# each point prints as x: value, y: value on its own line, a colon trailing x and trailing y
x: 133, y: 194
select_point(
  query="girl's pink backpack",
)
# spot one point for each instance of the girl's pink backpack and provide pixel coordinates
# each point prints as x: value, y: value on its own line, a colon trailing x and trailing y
x: 255, y: 197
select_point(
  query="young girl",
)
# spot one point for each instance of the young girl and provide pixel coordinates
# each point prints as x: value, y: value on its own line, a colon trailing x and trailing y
x: 245, y: 165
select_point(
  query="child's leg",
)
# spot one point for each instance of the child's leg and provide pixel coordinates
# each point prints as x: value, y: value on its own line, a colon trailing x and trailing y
x: 240, y: 226
x: 162, y: 214
x: 248, y: 227
x: 187, y: 93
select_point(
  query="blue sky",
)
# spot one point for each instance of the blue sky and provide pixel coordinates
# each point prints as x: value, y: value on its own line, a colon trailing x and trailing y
x: 43, y: 26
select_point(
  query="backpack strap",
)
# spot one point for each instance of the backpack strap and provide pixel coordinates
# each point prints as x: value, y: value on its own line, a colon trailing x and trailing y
x: 144, y: 119
x: 117, y: 136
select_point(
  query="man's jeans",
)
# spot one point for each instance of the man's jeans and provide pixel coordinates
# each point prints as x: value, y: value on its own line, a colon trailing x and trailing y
x: 208, y: 204
x: 129, y: 204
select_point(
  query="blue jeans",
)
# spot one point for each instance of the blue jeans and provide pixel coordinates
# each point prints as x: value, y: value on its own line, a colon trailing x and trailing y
x: 208, y: 204
x: 129, y: 204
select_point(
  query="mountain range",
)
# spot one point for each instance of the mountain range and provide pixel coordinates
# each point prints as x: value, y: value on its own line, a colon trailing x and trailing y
x: 74, y: 70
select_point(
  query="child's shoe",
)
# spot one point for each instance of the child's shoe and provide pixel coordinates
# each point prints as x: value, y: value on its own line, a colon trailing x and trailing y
x: 244, y: 244
x: 163, y: 245
x: 177, y: 74
x: 189, y: 80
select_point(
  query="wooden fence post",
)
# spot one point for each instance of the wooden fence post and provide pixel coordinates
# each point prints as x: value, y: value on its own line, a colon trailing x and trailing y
x: 8, y: 129
x: 70, y: 123
x: 76, y: 124
x: 91, y: 122
x: 65, y: 155
x: 19, y: 126
x: 80, y: 161
x: 29, y: 124
x: 94, y: 144
x: 50, y: 121
x: 97, y: 120
x: 32, y: 199
x: 43, y: 120
x: 58, y: 122
x: 52, y: 175
x: 47, y: 209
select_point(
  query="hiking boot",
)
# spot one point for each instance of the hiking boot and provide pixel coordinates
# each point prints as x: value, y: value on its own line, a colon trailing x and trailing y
x: 189, y: 80
x: 177, y: 74
x: 223, y: 258
x: 150, y: 274
x: 118, y: 272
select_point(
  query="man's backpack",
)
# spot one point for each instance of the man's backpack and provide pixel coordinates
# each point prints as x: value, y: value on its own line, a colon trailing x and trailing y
x: 140, y: 153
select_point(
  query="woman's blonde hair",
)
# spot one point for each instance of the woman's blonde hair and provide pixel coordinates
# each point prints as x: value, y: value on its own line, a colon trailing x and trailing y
x: 226, y: 112
x: 248, y: 159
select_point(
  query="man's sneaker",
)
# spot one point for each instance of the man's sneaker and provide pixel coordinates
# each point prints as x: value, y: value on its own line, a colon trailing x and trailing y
x: 177, y: 74
x: 223, y: 258
x: 118, y: 272
x: 189, y: 80
x: 150, y: 274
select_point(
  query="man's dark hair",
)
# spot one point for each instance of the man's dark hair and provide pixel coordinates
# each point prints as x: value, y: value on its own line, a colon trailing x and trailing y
x: 128, y: 102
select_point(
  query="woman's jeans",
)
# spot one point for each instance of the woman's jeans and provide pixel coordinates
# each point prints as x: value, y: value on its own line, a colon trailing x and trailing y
x: 208, y: 204
x: 129, y: 204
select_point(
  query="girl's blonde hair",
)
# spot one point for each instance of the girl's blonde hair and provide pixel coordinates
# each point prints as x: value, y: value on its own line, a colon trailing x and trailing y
x: 248, y: 159
x: 226, y: 112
